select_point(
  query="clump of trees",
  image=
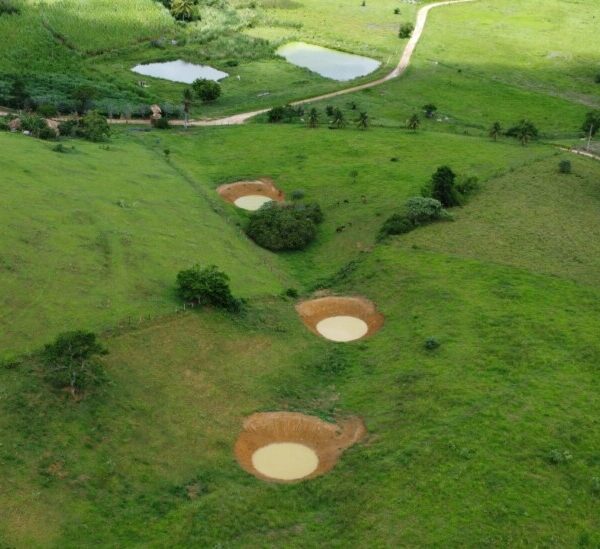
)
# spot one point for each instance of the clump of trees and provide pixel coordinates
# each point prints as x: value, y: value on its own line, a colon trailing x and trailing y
x: 525, y: 131
x: 406, y: 30
x: 206, y: 90
x: 280, y: 227
x: 286, y: 113
x: 72, y: 361
x: 206, y: 286
x: 182, y: 10
x: 93, y: 127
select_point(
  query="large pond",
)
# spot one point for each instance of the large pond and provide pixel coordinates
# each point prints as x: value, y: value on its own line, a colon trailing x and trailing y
x: 333, y: 64
x: 179, y: 71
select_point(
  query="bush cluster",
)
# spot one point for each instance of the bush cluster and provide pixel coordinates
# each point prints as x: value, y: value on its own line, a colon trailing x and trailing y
x: 206, y: 90
x: 285, y: 113
x: 206, y: 286
x: 280, y: 227
x: 93, y: 127
x: 418, y: 211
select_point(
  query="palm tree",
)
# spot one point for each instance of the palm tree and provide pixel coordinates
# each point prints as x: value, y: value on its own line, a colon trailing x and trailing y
x: 188, y: 97
x: 339, y: 121
x: 495, y: 131
x: 524, y: 131
x: 413, y: 122
x: 182, y: 9
x: 363, y: 121
x: 313, y: 118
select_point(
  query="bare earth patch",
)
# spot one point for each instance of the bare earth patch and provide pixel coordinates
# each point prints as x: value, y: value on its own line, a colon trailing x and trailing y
x: 340, y: 319
x: 288, y: 446
x: 251, y: 195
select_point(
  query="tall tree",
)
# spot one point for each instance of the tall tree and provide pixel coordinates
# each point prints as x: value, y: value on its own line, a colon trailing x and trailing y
x: 495, y: 131
x: 413, y: 122
x: 524, y: 131
x: 363, y: 121
x: 442, y: 187
x: 339, y: 120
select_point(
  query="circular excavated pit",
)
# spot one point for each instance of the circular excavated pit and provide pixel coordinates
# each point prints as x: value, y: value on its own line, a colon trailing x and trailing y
x: 251, y: 195
x: 340, y: 319
x: 288, y: 446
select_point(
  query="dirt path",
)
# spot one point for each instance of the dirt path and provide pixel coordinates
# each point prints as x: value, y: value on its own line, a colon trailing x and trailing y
x: 398, y: 71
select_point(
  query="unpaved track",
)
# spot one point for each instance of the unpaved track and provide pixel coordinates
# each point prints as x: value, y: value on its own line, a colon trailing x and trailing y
x: 399, y: 70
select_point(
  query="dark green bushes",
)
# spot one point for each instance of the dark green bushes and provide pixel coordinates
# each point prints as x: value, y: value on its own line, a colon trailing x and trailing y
x: 418, y: 211
x: 564, y: 166
x: 206, y: 286
x: 406, y: 30
x: 72, y: 361
x: 93, y: 127
x: 286, y: 113
x: 279, y: 227
x: 206, y: 90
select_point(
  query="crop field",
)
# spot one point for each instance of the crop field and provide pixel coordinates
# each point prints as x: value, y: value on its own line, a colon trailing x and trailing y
x: 473, y: 389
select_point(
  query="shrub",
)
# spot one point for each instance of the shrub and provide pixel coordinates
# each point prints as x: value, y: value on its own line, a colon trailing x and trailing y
x: 297, y: 194
x: 68, y: 128
x: 597, y: 78
x: 557, y: 457
x: 72, y: 360
x: 564, y: 166
x: 396, y: 11
x: 94, y: 127
x: 292, y: 293
x: 161, y: 123
x: 47, y: 110
x: 207, y: 90
x: 396, y: 224
x: 286, y: 113
x: 431, y: 343
x: 46, y: 133
x: 33, y: 123
x: 206, y: 286
x: 421, y: 210
x: 8, y: 7
x: 406, y: 30
x: 430, y: 109
x: 467, y: 185
x: 60, y: 148
x: 280, y: 227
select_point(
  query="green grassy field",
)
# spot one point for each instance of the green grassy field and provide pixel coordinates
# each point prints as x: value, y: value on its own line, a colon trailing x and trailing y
x: 490, y: 440
x: 97, y: 235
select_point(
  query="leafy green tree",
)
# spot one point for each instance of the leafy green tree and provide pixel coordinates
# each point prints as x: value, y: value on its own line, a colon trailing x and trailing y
x: 524, y: 131
x: 413, y: 122
x: 279, y: 227
x: 83, y: 95
x: 206, y: 286
x: 94, y: 127
x: 495, y: 131
x: 339, y: 120
x: 591, y: 124
x: 406, y: 30
x: 363, y: 121
x: 183, y: 10
x: 72, y: 361
x: 207, y: 90
x: 313, y: 118
x: 564, y: 166
x: 443, y: 189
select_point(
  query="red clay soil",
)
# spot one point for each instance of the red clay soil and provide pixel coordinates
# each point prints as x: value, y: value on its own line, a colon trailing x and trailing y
x: 313, y: 311
x: 327, y: 440
x: 263, y: 187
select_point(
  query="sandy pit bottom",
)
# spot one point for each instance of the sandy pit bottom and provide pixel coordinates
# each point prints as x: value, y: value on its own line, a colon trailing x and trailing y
x: 252, y: 202
x: 285, y: 461
x: 342, y: 328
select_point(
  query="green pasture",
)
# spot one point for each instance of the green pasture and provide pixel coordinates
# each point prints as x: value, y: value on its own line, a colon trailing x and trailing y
x: 97, y: 235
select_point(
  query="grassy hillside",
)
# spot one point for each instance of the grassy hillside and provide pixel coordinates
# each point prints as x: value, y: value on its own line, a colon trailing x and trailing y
x: 480, y: 442
x: 358, y: 177
x: 97, y: 235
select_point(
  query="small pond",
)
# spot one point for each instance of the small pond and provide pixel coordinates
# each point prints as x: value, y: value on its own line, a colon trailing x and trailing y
x: 179, y: 71
x: 333, y: 64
